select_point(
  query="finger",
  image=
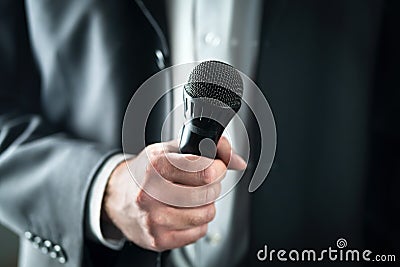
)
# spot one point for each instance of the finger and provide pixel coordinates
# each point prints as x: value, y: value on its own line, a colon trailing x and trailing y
x: 176, y: 239
x: 179, y: 168
x: 228, y: 156
x: 147, y: 202
x: 183, y: 218
x: 188, y: 162
x: 181, y: 195
x: 171, y: 146
x: 162, y: 148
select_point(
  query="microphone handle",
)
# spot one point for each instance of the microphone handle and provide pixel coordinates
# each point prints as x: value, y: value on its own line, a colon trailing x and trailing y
x: 200, y: 137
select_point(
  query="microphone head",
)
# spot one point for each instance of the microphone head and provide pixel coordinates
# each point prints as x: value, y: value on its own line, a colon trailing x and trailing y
x: 211, y: 98
x: 216, y: 82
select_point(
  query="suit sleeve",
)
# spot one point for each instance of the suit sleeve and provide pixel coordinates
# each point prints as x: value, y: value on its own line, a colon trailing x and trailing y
x: 45, y: 172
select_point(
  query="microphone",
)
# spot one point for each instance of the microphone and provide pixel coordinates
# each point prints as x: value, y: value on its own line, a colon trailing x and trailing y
x: 212, y: 96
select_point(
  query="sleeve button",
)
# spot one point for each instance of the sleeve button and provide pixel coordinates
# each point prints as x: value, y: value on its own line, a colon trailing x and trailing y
x: 44, y: 250
x: 28, y: 235
x: 57, y: 248
x: 62, y: 260
x: 46, y: 247
x: 47, y: 244
x: 37, y: 242
x: 53, y: 254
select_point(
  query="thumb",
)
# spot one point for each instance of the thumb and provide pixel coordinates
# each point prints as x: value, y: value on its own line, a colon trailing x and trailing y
x: 225, y: 153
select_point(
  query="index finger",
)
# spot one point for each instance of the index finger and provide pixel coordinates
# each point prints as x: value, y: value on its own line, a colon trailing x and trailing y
x: 189, y: 170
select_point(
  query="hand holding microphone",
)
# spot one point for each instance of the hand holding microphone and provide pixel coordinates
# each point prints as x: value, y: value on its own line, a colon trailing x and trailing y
x: 128, y: 208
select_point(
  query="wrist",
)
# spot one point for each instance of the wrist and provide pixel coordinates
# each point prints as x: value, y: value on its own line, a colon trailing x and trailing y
x: 100, y: 228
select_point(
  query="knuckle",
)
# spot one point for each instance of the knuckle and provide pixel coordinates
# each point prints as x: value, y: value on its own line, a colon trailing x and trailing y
x: 160, y: 165
x: 194, y: 220
x: 210, y: 213
x: 151, y: 148
x: 191, y: 157
x: 154, y: 149
x: 142, y: 199
x: 155, y: 219
x: 156, y: 161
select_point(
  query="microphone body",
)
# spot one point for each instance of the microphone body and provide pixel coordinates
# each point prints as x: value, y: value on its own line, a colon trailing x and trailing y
x: 195, y: 132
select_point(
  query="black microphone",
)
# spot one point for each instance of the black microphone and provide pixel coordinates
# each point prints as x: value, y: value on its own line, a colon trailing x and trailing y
x: 212, y: 96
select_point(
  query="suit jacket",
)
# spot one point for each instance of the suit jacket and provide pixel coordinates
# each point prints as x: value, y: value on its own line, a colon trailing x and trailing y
x: 69, y: 68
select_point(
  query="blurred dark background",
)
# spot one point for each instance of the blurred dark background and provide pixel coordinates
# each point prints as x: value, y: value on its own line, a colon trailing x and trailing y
x: 337, y: 168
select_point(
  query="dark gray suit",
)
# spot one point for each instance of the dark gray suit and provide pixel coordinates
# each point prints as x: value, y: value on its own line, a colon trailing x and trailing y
x: 69, y: 68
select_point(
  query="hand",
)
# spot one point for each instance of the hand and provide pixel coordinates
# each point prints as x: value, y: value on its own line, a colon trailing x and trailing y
x: 137, y: 213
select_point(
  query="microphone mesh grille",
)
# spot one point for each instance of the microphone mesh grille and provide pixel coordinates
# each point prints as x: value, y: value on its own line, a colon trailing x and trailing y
x: 216, y: 80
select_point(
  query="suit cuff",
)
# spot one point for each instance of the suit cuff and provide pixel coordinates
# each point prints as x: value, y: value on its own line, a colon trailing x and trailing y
x: 95, y: 199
